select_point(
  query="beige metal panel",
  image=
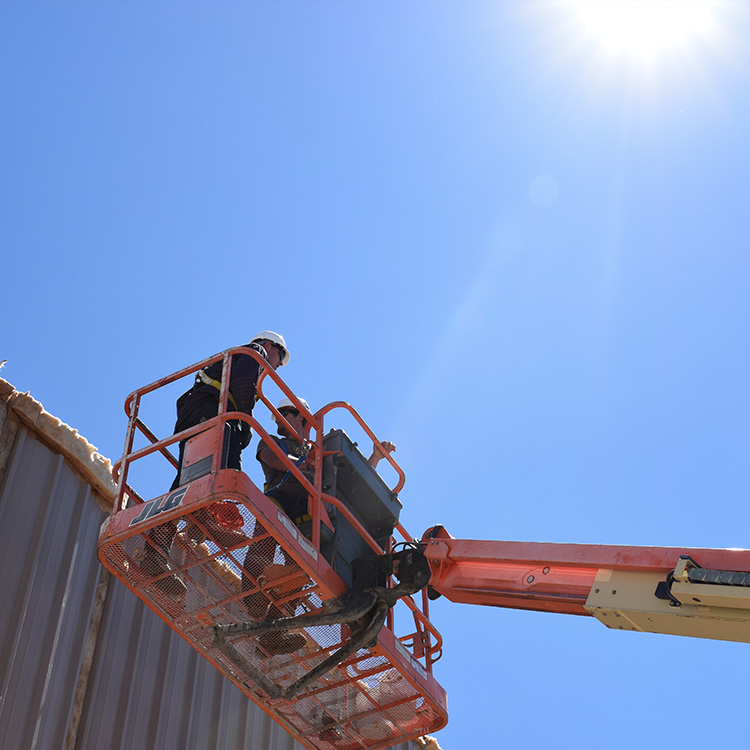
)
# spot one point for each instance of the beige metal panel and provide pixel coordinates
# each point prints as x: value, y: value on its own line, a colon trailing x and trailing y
x: 624, y: 600
x: 712, y: 595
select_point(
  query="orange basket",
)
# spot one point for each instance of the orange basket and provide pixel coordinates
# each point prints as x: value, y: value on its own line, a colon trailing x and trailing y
x: 291, y: 634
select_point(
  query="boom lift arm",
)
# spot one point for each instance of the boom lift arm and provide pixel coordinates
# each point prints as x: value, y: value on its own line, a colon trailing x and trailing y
x: 703, y: 593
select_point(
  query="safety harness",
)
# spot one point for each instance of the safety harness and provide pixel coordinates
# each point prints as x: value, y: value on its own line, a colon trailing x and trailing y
x: 204, y: 377
x: 266, y: 490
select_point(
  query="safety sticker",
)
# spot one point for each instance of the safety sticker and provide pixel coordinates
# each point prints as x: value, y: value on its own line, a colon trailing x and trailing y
x: 287, y: 522
x: 421, y: 671
x: 307, y: 546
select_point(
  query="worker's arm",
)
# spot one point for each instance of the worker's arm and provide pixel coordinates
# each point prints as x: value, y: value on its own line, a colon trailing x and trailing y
x: 269, y: 458
x: 244, y: 379
x: 378, y: 455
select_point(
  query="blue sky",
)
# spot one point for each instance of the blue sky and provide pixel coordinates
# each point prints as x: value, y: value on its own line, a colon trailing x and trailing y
x: 520, y: 254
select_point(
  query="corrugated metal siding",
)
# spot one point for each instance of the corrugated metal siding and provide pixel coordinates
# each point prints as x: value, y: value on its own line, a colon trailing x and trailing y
x: 150, y: 689
x: 147, y: 689
x: 48, y: 532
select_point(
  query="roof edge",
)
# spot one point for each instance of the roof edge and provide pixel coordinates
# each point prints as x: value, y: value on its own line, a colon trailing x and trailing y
x: 83, y: 458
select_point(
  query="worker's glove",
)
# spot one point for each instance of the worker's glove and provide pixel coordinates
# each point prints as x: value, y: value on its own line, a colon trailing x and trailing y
x: 245, y: 434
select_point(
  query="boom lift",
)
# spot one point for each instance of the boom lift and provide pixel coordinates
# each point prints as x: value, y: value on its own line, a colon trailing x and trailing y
x: 326, y: 639
x: 333, y: 640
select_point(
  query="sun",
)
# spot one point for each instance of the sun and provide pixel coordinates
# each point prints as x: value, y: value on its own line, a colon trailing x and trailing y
x: 644, y: 28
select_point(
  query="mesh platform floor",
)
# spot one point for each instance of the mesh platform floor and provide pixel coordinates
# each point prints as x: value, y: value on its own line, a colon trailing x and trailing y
x: 365, y: 702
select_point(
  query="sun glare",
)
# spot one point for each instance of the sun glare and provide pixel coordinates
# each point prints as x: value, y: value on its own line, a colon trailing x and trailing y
x: 644, y: 28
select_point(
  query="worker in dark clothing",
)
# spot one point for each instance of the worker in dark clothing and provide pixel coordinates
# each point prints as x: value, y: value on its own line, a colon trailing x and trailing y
x: 286, y: 491
x: 200, y: 404
x: 283, y: 487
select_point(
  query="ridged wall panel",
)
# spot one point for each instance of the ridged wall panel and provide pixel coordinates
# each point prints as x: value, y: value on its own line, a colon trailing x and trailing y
x: 48, y: 568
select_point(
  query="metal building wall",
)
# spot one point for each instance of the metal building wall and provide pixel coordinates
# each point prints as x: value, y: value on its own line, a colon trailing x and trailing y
x: 147, y: 689
x: 48, y: 568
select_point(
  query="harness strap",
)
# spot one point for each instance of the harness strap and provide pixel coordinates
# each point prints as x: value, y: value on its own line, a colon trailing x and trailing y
x: 266, y: 489
x: 298, y: 462
x: 208, y: 380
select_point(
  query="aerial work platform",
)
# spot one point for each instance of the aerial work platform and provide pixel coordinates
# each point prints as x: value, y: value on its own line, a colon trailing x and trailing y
x: 325, y: 639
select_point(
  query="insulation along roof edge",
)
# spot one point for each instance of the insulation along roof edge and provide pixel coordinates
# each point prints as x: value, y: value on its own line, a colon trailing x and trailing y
x: 428, y: 742
x: 82, y: 457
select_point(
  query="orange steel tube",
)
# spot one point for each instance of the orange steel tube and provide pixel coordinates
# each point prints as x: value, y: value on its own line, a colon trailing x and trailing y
x: 150, y: 435
x: 348, y: 407
x: 549, y: 577
x: 432, y: 639
x: 315, y: 420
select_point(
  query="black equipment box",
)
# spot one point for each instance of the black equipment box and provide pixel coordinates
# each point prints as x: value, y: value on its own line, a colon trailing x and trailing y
x: 348, y: 476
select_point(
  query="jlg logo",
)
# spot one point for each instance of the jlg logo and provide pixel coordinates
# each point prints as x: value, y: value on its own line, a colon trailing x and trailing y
x: 153, y: 507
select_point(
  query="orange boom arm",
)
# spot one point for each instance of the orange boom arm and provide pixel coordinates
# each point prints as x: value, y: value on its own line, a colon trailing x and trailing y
x: 684, y: 591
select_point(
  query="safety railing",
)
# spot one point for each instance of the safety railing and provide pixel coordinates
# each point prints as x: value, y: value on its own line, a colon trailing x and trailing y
x: 425, y: 641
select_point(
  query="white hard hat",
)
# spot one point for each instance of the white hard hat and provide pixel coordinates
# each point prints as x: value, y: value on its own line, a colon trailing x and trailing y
x: 274, y: 338
x: 286, y: 403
